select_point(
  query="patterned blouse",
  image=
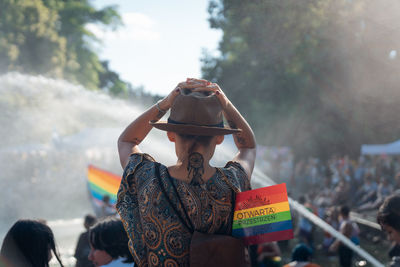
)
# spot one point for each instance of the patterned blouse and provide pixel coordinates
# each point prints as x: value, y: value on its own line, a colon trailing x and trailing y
x: 157, y: 237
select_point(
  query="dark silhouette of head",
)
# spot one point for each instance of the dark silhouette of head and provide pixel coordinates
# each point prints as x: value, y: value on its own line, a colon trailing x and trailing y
x: 301, y: 252
x: 345, y: 211
x: 109, y: 235
x: 29, y: 243
x: 106, y: 199
x: 302, y: 200
x: 389, y: 212
x: 89, y: 221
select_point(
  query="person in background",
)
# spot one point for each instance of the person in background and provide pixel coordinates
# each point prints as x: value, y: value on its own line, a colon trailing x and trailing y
x: 301, y: 257
x: 305, y: 227
x: 384, y: 190
x: 341, y: 192
x: 349, y: 229
x: 359, y: 172
x: 366, y: 192
x: 396, y: 186
x: 269, y: 255
x: 83, y: 247
x: 109, y: 244
x: 389, y: 219
x: 29, y: 243
x: 160, y: 234
x: 333, y: 220
x: 107, y: 208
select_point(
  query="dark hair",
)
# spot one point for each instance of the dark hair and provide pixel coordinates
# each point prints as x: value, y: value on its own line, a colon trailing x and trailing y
x: 389, y: 212
x: 106, y: 198
x: 345, y: 210
x: 203, y: 140
x: 109, y: 235
x: 33, y: 239
x: 89, y: 221
x: 302, y: 199
x: 301, y: 252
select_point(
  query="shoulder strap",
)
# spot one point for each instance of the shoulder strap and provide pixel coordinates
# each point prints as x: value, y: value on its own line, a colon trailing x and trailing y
x: 190, y: 228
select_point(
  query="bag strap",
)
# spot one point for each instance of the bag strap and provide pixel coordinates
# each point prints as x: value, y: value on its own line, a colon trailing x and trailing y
x: 190, y: 228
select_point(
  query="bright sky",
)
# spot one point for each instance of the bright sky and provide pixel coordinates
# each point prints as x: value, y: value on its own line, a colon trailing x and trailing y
x: 161, y: 43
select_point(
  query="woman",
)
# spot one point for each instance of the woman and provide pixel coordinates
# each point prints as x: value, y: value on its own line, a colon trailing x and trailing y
x: 28, y: 243
x: 200, y: 196
x: 109, y: 244
x: 83, y: 247
x: 389, y: 219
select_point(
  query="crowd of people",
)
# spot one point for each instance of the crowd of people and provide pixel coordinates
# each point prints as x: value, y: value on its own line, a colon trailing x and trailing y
x: 334, y: 188
x: 332, y: 182
x: 362, y: 184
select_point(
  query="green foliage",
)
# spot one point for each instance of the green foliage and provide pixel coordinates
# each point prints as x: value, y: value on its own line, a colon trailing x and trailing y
x: 309, y: 74
x: 28, y: 38
x: 110, y: 79
x: 50, y: 37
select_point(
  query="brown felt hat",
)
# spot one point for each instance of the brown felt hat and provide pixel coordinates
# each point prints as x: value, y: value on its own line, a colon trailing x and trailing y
x: 195, y: 113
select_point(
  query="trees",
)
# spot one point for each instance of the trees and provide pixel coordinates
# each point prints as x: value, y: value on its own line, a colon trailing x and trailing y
x: 311, y: 71
x: 29, y: 40
x: 49, y: 37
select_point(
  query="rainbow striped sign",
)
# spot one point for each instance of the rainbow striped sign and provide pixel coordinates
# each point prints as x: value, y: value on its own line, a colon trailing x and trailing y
x: 101, y: 183
x: 262, y: 215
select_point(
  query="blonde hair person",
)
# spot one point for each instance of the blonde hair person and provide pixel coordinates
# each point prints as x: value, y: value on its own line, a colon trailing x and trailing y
x: 158, y: 231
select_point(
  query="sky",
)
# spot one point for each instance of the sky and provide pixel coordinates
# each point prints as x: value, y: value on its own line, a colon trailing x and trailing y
x: 160, y: 44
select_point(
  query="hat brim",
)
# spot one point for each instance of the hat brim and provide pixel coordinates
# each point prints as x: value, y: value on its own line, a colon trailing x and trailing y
x: 193, y: 129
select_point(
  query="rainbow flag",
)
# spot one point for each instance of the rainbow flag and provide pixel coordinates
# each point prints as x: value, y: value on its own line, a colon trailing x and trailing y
x: 101, y: 183
x: 262, y: 215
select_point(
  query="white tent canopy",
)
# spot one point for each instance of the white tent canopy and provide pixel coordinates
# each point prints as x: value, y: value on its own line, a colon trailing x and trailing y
x: 388, y: 149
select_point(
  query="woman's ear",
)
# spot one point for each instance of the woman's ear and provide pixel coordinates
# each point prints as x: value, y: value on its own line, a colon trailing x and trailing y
x: 219, y: 139
x: 171, y: 136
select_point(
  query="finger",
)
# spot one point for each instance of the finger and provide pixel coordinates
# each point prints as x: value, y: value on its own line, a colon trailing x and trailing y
x: 196, y: 80
x: 181, y: 84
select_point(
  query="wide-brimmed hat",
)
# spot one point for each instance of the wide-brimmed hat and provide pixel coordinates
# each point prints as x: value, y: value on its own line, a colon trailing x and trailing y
x: 195, y: 113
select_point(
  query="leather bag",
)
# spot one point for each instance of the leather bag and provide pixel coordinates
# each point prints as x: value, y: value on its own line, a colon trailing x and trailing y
x: 216, y: 250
